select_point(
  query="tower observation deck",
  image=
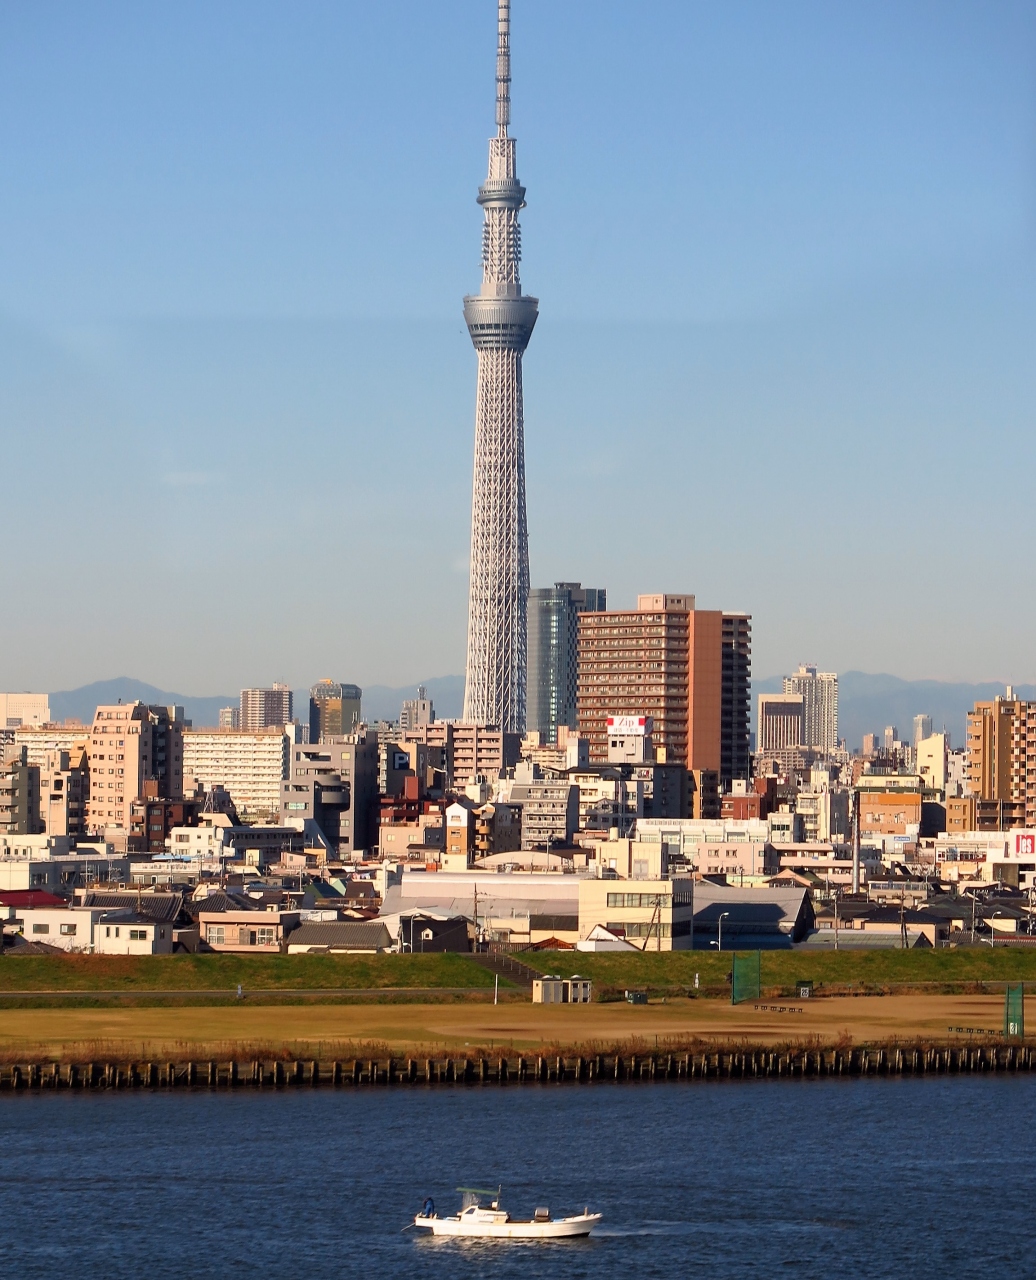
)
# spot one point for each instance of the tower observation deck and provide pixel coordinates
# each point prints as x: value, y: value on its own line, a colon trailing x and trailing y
x: 500, y: 320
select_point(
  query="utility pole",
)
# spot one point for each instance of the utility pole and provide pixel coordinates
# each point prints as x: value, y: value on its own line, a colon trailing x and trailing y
x: 856, y: 842
x: 836, y: 919
x: 902, y: 919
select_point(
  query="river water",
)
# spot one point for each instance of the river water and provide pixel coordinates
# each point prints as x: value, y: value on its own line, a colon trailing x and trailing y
x: 863, y: 1178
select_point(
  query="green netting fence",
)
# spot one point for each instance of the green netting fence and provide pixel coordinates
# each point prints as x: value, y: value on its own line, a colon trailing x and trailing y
x: 744, y: 984
x: 1014, y: 1012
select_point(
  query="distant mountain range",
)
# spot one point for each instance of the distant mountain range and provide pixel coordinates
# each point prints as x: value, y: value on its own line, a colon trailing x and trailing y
x: 866, y: 703
x: 379, y: 701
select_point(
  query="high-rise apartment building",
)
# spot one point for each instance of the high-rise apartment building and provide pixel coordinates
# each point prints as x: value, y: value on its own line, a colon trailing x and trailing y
x: 500, y: 320
x: 553, y: 630
x: 922, y: 729
x: 735, y: 707
x: 819, y: 691
x: 230, y: 717
x: 1001, y: 752
x: 129, y: 744
x: 780, y: 723
x: 334, y: 709
x: 663, y: 659
x: 24, y: 710
x: 265, y: 708
x: 251, y: 766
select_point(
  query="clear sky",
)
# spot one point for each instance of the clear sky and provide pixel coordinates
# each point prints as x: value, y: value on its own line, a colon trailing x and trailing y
x: 785, y: 358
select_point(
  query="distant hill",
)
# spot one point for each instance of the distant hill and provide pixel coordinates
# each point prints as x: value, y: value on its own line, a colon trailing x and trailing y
x: 80, y: 704
x: 380, y: 702
x: 867, y: 703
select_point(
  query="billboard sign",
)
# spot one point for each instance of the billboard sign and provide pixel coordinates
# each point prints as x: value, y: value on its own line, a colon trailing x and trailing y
x: 1025, y: 844
x: 630, y: 726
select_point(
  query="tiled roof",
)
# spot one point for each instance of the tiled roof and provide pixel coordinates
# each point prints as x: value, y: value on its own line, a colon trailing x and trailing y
x: 350, y: 935
x: 161, y: 907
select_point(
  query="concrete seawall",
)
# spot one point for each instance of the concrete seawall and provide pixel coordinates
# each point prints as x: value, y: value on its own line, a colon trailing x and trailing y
x: 716, y: 1064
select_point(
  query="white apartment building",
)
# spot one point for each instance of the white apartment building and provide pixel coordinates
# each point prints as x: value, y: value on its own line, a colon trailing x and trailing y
x: 251, y: 766
x: 819, y: 692
x: 41, y: 742
x: 24, y: 710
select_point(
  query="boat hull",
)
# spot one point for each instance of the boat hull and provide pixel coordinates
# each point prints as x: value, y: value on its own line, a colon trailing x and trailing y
x: 559, y: 1229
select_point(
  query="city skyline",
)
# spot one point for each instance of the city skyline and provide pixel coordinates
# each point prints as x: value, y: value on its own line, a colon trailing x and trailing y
x: 784, y: 255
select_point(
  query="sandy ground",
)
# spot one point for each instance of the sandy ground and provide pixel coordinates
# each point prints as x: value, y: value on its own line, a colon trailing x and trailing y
x: 156, y: 1033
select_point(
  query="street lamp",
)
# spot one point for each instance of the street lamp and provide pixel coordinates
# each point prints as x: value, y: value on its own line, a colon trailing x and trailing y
x: 992, y: 927
x: 723, y: 916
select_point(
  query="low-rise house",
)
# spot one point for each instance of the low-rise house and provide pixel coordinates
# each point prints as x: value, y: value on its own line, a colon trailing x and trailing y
x: 127, y: 933
x: 249, y: 931
x: 97, y: 930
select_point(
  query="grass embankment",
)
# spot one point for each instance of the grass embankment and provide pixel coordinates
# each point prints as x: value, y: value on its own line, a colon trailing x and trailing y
x: 832, y: 972
x: 389, y: 978
x: 223, y: 973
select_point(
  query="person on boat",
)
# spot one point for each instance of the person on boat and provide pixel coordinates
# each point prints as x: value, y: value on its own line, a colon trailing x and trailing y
x: 429, y: 1208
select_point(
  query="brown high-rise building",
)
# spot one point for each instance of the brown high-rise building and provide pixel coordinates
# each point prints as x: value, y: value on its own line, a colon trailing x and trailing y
x: 663, y: 659
x: 1001, y: 746
x: 263, y: 709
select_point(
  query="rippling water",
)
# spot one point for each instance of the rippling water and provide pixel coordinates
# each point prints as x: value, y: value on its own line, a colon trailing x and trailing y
x: 875, y: 1178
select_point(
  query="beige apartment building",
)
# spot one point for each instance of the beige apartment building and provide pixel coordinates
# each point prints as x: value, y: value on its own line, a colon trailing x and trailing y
x: 129, y: 744
x: 250, y: 765
x: 65, y: 792
x: 39, y: 742
x: 1001, y: 751
x: 470, y: 750
x: 663, y: 659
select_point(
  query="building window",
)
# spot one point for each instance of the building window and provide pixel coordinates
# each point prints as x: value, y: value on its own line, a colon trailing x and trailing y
x: 216, y: 933
x: 266, y: 936
x: 68, y: 930
x: 41, y: 928
x: 138, y: 935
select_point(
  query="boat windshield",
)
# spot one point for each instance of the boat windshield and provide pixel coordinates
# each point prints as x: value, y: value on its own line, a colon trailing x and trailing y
x: 471, y: 1197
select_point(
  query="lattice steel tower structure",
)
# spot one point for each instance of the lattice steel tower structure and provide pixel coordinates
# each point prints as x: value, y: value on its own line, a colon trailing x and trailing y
x: 500, y: 319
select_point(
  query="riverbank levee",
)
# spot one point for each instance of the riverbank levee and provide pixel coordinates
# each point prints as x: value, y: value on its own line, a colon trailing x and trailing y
x: 67, y: 1034
x: 668, y: 974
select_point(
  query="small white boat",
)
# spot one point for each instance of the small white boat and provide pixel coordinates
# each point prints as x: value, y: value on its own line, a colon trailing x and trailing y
x: 493, y: 1223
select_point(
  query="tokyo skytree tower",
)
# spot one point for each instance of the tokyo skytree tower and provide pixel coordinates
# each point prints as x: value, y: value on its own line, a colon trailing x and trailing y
x: 500, y: 319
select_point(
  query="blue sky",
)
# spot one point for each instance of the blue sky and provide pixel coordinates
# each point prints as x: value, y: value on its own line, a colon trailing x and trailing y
x: 785, y: 358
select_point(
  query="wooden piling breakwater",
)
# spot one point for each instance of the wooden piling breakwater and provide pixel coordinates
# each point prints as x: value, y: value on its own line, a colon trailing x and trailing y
x: 706, y: 1064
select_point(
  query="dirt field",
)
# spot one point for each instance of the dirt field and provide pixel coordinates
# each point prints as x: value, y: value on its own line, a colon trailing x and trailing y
x: 157, y: 1033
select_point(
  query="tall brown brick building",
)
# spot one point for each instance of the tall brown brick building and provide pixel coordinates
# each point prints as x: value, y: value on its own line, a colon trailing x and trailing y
x: 1001, y: 747
x: 663, y: 659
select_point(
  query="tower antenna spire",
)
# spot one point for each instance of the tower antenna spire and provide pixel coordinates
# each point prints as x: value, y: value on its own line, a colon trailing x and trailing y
x: 503, y: 68
x: 500, y: 320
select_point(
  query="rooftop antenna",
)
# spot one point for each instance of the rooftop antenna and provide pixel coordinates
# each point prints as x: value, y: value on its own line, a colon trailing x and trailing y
x: 503, y: 68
